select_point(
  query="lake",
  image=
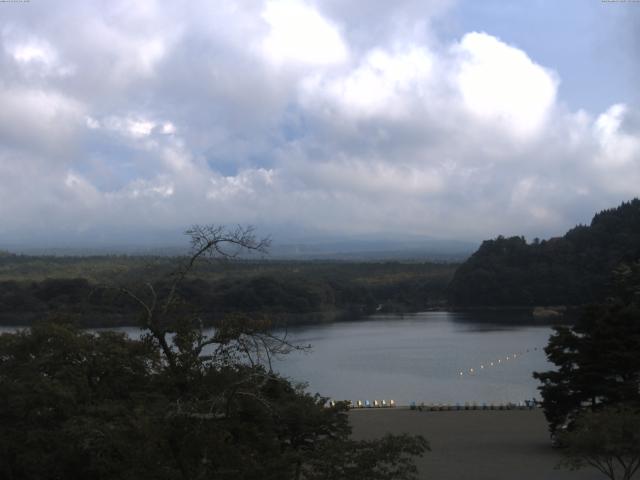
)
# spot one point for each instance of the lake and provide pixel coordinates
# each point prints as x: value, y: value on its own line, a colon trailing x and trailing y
x: 420, y: 357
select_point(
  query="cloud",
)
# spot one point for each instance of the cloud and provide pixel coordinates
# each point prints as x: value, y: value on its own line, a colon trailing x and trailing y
x: 384, y: 84
x: 500, y: 83
x: 150, y: 117
x: 40, y: 120
x: 298, y: 33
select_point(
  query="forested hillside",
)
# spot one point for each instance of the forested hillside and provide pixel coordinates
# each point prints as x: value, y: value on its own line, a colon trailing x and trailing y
x: 571, y: 270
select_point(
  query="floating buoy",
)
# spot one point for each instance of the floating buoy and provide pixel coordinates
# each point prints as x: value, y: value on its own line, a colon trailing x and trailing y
x: 511, y: 356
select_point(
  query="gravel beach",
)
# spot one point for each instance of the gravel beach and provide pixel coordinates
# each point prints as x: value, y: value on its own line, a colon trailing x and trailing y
x: 474, y: 445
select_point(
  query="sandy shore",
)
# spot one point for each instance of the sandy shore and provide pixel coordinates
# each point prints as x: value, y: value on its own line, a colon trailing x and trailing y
x: 474, y: 445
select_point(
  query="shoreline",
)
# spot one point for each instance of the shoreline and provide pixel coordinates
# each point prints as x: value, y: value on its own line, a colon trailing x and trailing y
x: 328, y: 317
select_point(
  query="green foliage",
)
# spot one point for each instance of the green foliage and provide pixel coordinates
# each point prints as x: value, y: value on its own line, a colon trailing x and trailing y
x: 293, y: 292
x: 69, y: 402
x: 176, y: 404
x: 608, y: 440
x: 598, y: 359
x: 79, y: 405
x: 570, y: 270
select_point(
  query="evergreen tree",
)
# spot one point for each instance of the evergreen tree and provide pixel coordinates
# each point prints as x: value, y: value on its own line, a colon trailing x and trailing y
x: 570, y: 270
x: 598, y: 359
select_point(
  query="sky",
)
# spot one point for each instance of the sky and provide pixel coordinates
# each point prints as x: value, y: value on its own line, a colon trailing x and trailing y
x: 127, y: 122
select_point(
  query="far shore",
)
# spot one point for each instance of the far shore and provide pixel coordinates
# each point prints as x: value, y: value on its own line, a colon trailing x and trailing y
x: 474, y: 444
x: 525, y: 314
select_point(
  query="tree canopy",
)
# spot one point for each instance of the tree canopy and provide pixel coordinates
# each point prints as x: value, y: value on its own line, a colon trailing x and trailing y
x: 288, y: 291
x: 176, y: 403
x: 597, y: 359
x: 569, y: 270
x: 607, y: 440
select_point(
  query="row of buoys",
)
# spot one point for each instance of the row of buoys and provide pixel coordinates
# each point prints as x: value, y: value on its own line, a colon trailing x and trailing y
x: 493, y: 363
x: 374, y: 404
x: 436, y: 407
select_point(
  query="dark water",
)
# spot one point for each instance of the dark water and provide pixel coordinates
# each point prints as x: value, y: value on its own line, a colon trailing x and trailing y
x: 419, y: 357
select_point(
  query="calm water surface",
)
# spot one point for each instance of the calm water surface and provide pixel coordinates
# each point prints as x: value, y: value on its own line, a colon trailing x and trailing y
x: 419, y: 357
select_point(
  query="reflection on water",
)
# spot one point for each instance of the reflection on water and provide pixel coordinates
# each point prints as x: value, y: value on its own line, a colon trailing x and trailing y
x: 419, y: 357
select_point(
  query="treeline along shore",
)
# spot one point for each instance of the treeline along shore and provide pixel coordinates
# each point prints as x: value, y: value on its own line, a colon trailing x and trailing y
x: 551, y: 279
x: 288, y: 292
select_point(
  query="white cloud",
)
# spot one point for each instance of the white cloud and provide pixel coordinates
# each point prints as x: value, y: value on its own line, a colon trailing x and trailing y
x: 92, y: 123
x: 132, y: 126
x: 27, y: 53
x: 79, y: 188
x: 618, y: 147
x: 176, y: 159
x: 168, y: 128
x: 385, y: 84
x: 292, y: 113
x: 246, y: 183
x: 298, y: 33
x: 501, y: 83
x: 146, y: 189
x: 35, y: 56
x: 39, y: 119
x: 139, y: 128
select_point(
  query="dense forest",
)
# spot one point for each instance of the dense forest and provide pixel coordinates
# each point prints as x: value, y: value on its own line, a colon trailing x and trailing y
x: 571, y: 270
x: 177, y: 403
x: 289, y: 292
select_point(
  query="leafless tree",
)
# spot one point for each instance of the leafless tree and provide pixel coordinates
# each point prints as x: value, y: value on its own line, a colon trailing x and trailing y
x: 248, y: 337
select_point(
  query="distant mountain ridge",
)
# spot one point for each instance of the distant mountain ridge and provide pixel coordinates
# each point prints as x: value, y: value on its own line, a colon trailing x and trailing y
x: 340, y: 249
x: 571, y: 270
